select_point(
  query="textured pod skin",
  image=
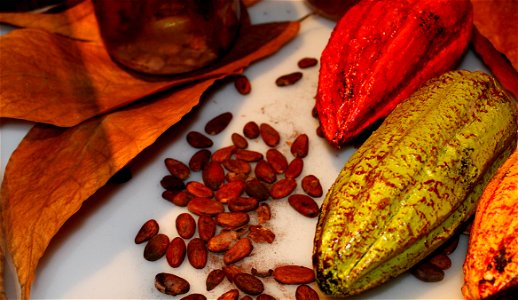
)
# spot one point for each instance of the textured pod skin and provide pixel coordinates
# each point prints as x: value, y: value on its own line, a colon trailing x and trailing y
x: 413, y: 182
x: 379, y: 53
x: 491, y: 263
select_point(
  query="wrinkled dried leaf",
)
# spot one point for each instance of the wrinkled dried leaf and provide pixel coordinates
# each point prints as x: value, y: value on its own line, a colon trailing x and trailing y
x: 54, y: 169
x: 77, y: 22
x: 496, y: 20
x: 72, y: 81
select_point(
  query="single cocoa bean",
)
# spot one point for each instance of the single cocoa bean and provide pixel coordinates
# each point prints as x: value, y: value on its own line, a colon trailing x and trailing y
x: 293, y: 274
x: 198, y: 140
x: 197, y: 253
x: 171, y: 284
x: 263, y: 274
x: 269, y: 135
x: 441, y: 260
x: 218, y: 123
x: 283, y: 188
x: 304, y: 205
x: 320, y: 132
x: 194, y: 297
x: 229, y: 191
x: 294, y: 168
x: 251, y: 130
x: 156, y: 247
x: 427, y: 272
x: 248, y: 283
x: 237, y: 166
x: 246, y: 297
x: 205, y: 206
x: 176, y: 251
x: 264, y: 213
x: 242, y: 85
x: 450, y: 245
x: 264, y: 171
x: 177, y: 168
x: 288, y: 79
x: 199, y: 160
x: 232, y: 219
x: 300, y: 146
x: 239, y: 141
x: 213, y: 175
x: 277, y: 160
x: 256, y: 189
x: 198, y: 189
x: 214, y: 278
x: 206, y: 227
x: 223, y: 154
x: 307, y: 62
x: 231, y: 271
x: 314, y: 112
x: 265, y: 297
x: 260, y: 234
x: 172, y: 183
x: 311, y: 185
x: 177, y: 198
x: 222, y: 241
x: 243, y: 204
x: 241, y: 249
x: 305, y: 292
x: 185, y: 225
x: 148, y: 230
x: 248, y: 155
x: 232, y: 294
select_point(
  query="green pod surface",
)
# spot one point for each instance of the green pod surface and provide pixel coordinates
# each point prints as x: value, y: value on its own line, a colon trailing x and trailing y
x: 413, y: 182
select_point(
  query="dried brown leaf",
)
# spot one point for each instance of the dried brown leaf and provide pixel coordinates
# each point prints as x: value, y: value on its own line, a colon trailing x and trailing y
x: 71, y: 81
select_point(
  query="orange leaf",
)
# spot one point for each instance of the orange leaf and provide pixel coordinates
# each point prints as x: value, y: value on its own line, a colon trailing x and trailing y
x: 71, y: 81
x: 77, y: 22
x: 59, y: 168
x: 54, y: 170
x: 496, y: 20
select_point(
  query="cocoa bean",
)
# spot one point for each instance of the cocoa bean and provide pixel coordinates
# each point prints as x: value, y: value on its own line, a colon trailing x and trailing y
x: 248, y: 155
x: 243, y: 204
x: 304, y: 205
x: 232, y: 219
x: 264, y: 171
x: 176, y: 251
x: 222, y: 241
x: 450, y: 245
x: 263, y: 274
x: 264, y: 213
x: 214, y: 278
x: 307, y: 62
x: 232, y: 294
x: 177, y: 168
x: 311, y: 185
x: 239, y: 141
x: 213, y: 175
x: 269, y: 135
x: 256, y: 189
x: 237, y: 166
x: 440, y: 260
x: 206, y: 227
x: 199, y: 160
x: 181, y: 198
x: 218, y: 123
x: 249, y: 283
x: 320, y: 132
x: 223, y: 154
x: 172, y: 183
x: 156, y: 247
x: 194, y: 297
x: 265, y: 297
x: 185, y: 225
x: 251, y: 130
x: 314, y: 112
x: 231, y: 176
x: 198, y: 189
x: 241, y: 249
x: 277, y: 160
x: 171, y: 284
x: 246, y: 297
x: 198, y: 140
x: 205, y: 206
x: 293, y: 274
x: 242, y: 85
x: 260, y: 234
x: 231, y: 271
x: 300, y: 146
x: 197, y: 253
x: 229, y: 191
x: 304, y: 292
x: 294, y: 168
x: 288, y: 79
x: 427, y: 272
x: 148, y: 230
x: 283, y: 188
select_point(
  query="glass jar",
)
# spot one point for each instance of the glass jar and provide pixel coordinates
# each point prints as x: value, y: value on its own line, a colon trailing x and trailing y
x: 167, y: 36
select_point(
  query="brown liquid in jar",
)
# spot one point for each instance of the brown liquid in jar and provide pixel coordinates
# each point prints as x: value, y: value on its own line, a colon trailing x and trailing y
x: 167, y: 36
